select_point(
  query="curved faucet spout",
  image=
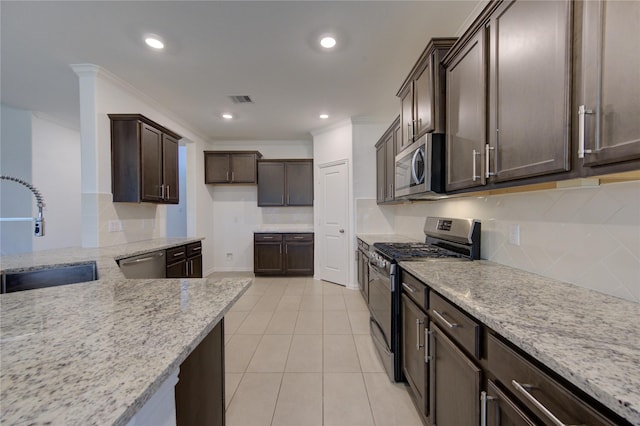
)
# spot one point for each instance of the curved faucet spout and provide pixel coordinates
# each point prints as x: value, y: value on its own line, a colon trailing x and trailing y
x: 39, y: 220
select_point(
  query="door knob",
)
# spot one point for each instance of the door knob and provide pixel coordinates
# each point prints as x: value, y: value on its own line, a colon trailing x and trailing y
x: 341, y: 231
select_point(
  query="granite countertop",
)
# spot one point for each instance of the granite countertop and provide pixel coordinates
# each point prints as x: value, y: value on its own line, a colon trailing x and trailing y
x: 589, y: 338
x: 388, y: 238
x: 95, y: 352
x: 284, y: 228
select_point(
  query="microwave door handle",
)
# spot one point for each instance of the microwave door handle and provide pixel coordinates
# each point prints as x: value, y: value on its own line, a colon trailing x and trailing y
x: 413, y: 165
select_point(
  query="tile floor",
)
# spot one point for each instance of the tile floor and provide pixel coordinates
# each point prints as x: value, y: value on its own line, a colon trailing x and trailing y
x: 298, y: 353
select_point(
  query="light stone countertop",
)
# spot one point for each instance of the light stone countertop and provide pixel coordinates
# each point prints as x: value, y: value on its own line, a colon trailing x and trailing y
x: 388, y: 238
x: 589, y: 338
x: 284, y: 228
x: 93, y: 353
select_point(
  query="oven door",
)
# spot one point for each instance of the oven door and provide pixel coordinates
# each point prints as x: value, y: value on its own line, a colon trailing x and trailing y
x: 381, y: 326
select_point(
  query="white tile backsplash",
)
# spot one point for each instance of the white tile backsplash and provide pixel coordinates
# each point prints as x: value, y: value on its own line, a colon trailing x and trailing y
x: 586, y: 236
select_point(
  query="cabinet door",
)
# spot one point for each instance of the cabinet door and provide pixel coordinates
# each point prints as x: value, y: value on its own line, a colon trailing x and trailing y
x: 216, y: 167
x: 194, y: 268
x: 406, y: 118
x: 298, y: 258
x: 271, y: 179
x: 267, y: 258
x: 390, y: 167
x: 611, y: 85
x: 381, y: 176
x: 500, y: 410
x: 454, y: 383
x: 177, y: 270
x: 170, y: 169
x: 466, y: 115
x: 299, y: 185
x: 424, y: 99
x: 530, y: 51
x: 243, y: 168
x: 414, y: 323
x: 151, y: 163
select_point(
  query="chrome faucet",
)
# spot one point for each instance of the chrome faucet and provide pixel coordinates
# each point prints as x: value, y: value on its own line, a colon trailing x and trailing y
x: 39, y: 220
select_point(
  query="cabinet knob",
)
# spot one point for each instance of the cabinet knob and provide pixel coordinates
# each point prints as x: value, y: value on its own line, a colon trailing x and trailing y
x: 341, y: 231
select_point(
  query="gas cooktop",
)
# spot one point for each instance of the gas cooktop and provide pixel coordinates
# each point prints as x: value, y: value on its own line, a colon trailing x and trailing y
x: 405, y: 251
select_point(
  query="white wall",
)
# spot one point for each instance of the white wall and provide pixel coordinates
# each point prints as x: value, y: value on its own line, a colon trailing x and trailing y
x: 586, y: 236
x: 56, y: 173
x: 15, y: 199
x: 235, y: 214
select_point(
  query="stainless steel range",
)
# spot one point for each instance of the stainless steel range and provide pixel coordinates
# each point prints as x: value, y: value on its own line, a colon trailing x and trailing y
x: 446, y: 239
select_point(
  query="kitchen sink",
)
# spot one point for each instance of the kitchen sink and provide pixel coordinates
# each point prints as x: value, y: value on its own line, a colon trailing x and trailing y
x: 49, y: 276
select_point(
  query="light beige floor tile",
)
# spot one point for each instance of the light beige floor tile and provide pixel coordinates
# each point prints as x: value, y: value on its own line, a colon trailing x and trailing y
x: 246, y: 302
x: 282, y: 322
x: 271, y: 354
x: 311, y: 302
x: 239, y: 351
x: 339, y: 354
x: 390, y: 402
x: 333, y: 302
x: 256, y: 289
x: 255, y: 323
x: 231, y: 382
x: 294, y: 289
x: 255, y: 400
x: 336, y: 322
x: 359, y: 321
x: 369, y: 360
x: 289, y: 303
x: 305, y: 354
x: 267, y: 303
x: 309, y: 322
x: 276, y: 288
x: 331, y: 288
x: 314, y: 287
x: 300, y: 400
x: 233, y: 319
x: 355, y: 302
x: 345, y: 400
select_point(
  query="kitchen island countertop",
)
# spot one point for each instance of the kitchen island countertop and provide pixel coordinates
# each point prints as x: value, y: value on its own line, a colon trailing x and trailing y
x: 95, y: 352
x: 590, y: 339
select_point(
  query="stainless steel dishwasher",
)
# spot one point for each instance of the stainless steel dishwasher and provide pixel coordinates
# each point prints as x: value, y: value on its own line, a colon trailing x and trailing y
x: 148, y: 265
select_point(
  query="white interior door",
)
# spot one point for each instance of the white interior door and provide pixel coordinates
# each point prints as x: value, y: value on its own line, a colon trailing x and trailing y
x: 334, y: 221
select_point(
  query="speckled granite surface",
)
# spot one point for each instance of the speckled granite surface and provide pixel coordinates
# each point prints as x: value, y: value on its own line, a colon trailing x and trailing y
x: 93, y: 353
x: 589, y: 338
x: 388, y: 238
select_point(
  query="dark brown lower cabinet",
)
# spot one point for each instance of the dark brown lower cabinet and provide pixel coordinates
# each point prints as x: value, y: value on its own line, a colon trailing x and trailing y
x: 414, y: 329
x: 185, y: 261
x: 200, y: 389
x: 500, y: 410
x: 454, y: 383
x: 283, y: 254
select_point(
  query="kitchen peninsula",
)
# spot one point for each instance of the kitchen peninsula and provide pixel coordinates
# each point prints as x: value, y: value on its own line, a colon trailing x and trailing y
x: 96, y: 352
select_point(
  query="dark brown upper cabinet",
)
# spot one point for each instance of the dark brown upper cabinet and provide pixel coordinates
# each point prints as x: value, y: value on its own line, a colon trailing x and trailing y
x: 607, y: 105
x: 386, y: 148
x: 230, y: 167
x: 422, y: 94
x: 144, y: 160
x: 509, y: 95
x: 285, y: 182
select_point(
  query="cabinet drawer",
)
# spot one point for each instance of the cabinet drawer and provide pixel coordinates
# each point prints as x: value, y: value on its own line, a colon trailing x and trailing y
x: 415, y: 290
x: 175, y: 254
x: 537, y: 390
x: 363, y: 246
x: 194, y: 249
x: 463, y: 329
x: 267, y: 237
x: 298, y: 237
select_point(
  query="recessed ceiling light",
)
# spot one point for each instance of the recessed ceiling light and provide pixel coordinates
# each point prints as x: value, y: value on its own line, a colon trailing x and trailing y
x: 154, y: 41
x: 328, y: 42
x: 227, y: 116
x: 324, y: 116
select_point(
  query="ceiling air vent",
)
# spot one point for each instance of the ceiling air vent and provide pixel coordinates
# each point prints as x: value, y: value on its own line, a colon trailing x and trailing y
x: 241, y: 99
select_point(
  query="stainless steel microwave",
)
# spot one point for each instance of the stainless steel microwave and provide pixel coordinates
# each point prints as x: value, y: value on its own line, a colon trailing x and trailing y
x: 420, y: 168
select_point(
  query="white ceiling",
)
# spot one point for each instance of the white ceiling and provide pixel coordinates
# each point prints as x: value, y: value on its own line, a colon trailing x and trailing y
x: 267, y: 50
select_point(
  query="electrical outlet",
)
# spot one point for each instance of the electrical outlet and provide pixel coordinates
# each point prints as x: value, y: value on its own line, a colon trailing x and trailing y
x: 514, y: 234
x: 115, y: 226
x: 229, y: 257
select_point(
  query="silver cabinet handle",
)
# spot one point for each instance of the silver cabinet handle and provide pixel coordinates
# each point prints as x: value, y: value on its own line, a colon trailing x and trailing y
x: 181, y: 253
x: 186, y: 265
x: 168, y: 196
x: 444, y: 320
x: 418, y: 324
x: 280, y: 248
x: 475, y: 173
x: 484, y: 399
x: 582, y: 111
x: 487, y: 166
x: 409, y: 132
x: 162, y: 192
x: 227, y: 176
x: 408, y: 287
x: 197, y: 248
x: 522, y: 388
x: 232, y: 176
x: 427, y: 357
